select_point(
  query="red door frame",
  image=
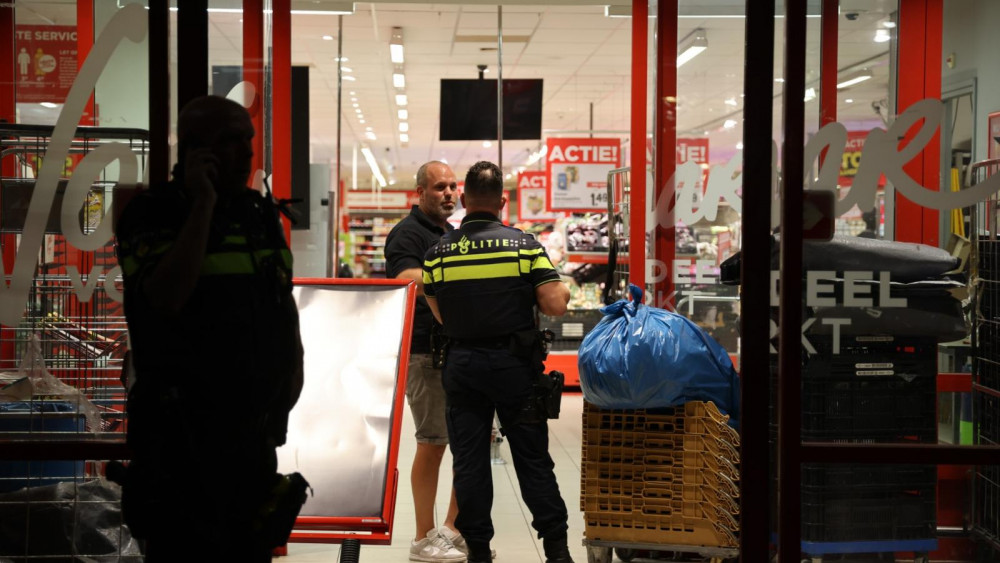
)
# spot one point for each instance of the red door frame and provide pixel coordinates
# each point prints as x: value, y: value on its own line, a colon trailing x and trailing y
x: 918, y: 78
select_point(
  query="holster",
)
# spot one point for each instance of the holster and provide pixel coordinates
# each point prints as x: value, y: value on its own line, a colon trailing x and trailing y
x: 439, y: 346
x: 546, y: 388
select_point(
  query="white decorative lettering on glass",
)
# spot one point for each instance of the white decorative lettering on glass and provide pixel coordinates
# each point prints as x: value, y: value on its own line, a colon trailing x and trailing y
x: 128, y: 23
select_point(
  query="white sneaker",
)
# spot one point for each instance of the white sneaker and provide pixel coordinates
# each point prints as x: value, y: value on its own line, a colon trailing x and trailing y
x: 435, y: 548
x: 458, y: 541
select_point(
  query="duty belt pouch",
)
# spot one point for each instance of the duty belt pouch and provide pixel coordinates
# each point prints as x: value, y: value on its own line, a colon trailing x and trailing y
x: 552, y: 383
x: 282, y: 508
x: 439, y: 346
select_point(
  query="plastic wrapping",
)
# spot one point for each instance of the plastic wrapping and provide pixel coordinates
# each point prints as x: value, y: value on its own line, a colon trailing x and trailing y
x: 66, y: 522
x: 33, y: 382
x: 641, y: 357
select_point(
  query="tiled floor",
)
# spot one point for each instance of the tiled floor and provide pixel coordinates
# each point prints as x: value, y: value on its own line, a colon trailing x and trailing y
x: 515, y: 540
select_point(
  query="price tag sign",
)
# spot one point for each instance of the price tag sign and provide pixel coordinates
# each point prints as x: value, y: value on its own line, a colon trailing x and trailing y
x: 532, y: 197
x: 578, y: 172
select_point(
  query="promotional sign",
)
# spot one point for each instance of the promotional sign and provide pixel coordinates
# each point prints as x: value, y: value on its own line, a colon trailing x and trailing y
x: 851, y: 159
x: 45, y: 62
x: 578, y: 172
x: 692, y: 150
x: 532, y: 197
x: 380, y: 200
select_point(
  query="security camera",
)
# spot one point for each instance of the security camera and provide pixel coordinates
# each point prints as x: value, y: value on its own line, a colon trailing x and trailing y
x: 852, y: 16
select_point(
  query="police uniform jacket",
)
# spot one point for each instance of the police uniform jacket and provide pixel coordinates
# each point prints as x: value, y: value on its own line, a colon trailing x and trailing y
x: 484, y: 276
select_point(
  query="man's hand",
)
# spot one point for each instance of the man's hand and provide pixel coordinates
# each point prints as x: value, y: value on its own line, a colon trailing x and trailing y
x: 201, y: 172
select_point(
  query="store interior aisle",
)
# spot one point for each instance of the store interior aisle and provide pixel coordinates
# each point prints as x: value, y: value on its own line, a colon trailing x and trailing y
x: 515, y: 540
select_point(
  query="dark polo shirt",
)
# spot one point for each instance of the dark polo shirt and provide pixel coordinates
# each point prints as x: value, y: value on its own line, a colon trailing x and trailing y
x: 405, y: 247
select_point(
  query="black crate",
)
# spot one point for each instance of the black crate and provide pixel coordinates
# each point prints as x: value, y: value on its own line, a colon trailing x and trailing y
x: 987, y: 373
x: 866, y: 356
x: 870, y: 409
x: 987, y: 344
x: 989, y: 259
x: 989, y: 300
x: 888, y: 515
x: 986, y: 418
x: 847, y: 481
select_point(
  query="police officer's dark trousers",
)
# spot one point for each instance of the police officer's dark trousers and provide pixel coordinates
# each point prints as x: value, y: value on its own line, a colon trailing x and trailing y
x: 477, y: 381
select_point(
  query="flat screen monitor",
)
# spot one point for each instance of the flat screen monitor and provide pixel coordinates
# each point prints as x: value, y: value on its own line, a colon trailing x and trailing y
x: 469, y: 109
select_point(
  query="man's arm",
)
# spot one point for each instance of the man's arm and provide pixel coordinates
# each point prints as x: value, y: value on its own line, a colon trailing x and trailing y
x: 172, y: 281
x: 415, y: 274
x: 552, y: 298
x: 432, y: 302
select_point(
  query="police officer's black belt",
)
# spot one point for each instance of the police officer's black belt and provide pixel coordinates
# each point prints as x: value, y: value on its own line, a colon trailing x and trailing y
x: 493, y: 342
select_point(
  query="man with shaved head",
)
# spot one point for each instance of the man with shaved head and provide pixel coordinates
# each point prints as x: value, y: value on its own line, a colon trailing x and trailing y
x: 214, y: 338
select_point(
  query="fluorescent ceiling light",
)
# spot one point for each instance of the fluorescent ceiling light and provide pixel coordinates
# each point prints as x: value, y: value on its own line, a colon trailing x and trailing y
x: 370, y: 159
x: 487, y: 144
x: 349, y: 78
x: 400, y: 99
x: 691, y: 46
x: 396, y: 45
x: 810, y: 94
x: 404, y: 138
x: 731, y: 102
x: 370, y: 135
x: 346, y: 69
x: 398, y: 80
x: 849, y: 101
x: 729, y: 124
x: 855, y: 79
x: 48, y: 105
x: 403, y: 114
x: 361, y: 121
x: 739, y: 146
x: 882, y: 35
x: 618, y: 11
x: 404, y: 127
x: 329, y: 9
x: 356, y: 105
x: 327, y: 38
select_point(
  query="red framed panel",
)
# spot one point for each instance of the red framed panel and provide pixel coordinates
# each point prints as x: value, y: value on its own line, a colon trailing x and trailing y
x: 637, y: 175
x: 84, y: 42
x: 281, y: 108
x: 367, y: 529
x: 665, y: 141
x: 253, y: 72
x: 920, y: 78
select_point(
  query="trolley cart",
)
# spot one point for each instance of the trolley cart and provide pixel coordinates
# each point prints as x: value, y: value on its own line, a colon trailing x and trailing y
x: 815, y: 551
x: 601, y: 551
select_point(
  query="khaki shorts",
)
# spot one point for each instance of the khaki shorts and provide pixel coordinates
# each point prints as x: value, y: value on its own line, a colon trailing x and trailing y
x: 425, y: 393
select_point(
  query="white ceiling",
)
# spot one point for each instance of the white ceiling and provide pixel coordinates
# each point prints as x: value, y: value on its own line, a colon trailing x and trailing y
x: 583, y: 57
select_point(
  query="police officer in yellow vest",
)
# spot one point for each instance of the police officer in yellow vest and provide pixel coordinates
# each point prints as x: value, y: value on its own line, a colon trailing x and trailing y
x: 482, y: 282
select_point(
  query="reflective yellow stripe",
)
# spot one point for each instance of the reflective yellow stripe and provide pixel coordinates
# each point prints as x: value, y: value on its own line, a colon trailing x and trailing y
x: 130, y: 266
x: 437, y: 274
x: 240, y: 262
x: 542, y: 263
x: 530, y: 252
x: 485, y: 256
x: 234, y: 239
x: 426, y: 277
x: 525, y: 266
x: 432, y: 263
x: 227, y: 263
x: 481, y: 272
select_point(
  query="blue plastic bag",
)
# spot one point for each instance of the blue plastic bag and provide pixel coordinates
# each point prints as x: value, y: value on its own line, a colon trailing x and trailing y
x: 641, y: 357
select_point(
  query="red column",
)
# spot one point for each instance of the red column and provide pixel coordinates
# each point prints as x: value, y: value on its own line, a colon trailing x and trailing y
x: 253, y: 71
x: 281, y: 111
x: 919, y: 77
x: 84, y: 42
x: 828, y: 63
x: 637, y: 226
x: 665, y: 144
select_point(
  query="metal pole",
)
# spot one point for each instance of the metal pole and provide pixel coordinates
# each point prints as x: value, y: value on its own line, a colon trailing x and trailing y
x: 790, y: 300
x: 755, y: 277
x: 591, y: 120
x: 332, y: 240
x: 500, y: 87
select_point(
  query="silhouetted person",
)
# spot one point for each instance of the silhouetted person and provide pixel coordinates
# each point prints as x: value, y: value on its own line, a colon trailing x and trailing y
x: 215, y: 343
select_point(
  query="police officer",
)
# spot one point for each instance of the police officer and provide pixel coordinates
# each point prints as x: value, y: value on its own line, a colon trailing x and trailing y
x: 482, y: 282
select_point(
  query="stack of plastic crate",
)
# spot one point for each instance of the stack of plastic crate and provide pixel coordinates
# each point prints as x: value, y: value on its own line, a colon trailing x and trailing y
x: 664, y: 477
x: 868, y: 389
x: 986, y: 392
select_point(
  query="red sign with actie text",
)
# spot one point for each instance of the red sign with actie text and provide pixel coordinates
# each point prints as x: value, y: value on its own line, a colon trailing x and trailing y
x: 45, y: 62
x: 532, y: 197
x: 578, y: 172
